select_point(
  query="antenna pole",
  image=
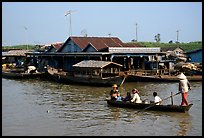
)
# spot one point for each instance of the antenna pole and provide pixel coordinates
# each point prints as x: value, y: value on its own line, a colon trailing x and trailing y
x: 70, y: 27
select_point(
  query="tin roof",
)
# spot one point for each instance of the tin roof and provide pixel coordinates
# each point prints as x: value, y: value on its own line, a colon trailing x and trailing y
x: 57, y: 45
x: 170, y: 48
x: 94, y: 64
x: 15, y: 53
x: 98, y: 42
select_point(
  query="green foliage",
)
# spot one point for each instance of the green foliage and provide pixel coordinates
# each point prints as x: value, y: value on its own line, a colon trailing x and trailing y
x: 24, y: 47
x: 187, y: 47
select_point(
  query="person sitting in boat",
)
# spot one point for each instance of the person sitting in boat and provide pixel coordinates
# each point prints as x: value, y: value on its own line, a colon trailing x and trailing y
x: 157, y: 99
x: 114, y: 92
x: 119, y: 98
x: 136, y: 97
x: 128, y: 97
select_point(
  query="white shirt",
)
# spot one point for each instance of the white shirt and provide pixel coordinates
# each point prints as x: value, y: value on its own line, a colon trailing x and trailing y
x: 136, y: 98
x: 157, y: 99
x: 184, y: 85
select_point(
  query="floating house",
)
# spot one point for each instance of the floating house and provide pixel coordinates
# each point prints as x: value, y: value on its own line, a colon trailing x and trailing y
x: 14, y: 57
x: 92, y: 72
x: 195, y: 55
x: 76, y: 49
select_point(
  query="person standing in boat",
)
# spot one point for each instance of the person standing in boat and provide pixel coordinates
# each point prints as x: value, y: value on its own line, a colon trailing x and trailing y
x: 157, y: 99
x: 136, y: 97
x: 184, y: 86
x: 114, y: 92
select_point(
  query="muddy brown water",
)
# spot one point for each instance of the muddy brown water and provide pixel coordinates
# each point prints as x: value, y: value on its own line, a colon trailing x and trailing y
x: 46, y: 108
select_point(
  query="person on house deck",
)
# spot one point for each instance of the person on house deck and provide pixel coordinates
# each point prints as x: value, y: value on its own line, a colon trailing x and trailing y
x: 114, y: 92
x: 184, y: 86
x: 157, y: 99
x: 136, y: 97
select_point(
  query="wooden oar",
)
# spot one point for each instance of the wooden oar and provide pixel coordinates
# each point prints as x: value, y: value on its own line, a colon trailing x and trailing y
x: 122, y: 81
x: 157, y: 102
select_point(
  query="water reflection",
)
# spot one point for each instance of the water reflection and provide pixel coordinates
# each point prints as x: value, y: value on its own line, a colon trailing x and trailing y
x: 115, y: 113
x: 184, y: 125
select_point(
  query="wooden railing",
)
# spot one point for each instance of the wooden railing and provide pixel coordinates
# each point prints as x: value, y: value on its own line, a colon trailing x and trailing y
x: 157, y: 72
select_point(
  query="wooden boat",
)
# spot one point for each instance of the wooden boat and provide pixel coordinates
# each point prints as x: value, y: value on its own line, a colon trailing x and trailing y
x: 164, y: 78
x: 69, y: 77
x: 166, y: 108
x: 88, y: 75
x: 20, y: 74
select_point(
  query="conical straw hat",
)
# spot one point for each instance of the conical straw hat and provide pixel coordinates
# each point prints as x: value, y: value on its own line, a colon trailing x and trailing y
x: 115, y: 85
x: 181, y: 76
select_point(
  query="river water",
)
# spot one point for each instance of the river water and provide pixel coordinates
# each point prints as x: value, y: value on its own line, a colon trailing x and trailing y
x: 37, y: 107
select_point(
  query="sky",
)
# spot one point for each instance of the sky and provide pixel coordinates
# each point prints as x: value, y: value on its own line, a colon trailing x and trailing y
x: 45, y: 22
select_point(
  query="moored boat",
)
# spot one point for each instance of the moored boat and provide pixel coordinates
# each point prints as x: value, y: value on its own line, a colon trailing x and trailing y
x: 166, y: 108
x: 164, y: 78
x: 101, y: 73
x: 20, y: 74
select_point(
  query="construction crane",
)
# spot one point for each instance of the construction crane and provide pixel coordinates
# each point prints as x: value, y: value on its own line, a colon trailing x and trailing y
x: 70, y: 27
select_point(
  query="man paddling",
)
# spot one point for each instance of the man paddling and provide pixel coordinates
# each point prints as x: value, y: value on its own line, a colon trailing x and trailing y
x: 184, y: 85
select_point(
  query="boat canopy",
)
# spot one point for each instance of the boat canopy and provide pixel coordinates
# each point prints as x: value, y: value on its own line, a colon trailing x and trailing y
x: 95, y: 64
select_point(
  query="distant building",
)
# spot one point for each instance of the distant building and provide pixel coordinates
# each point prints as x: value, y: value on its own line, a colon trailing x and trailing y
x: 92, y: 44
x: 54, y: 47
x: 174, y: 53
x: 195, y: 55
x: 14, y: 57
x: 76, y: 49
x: 177, y: 51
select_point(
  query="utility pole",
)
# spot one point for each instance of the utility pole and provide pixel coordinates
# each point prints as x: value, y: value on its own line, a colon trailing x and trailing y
x: 70, y: 27
x: 136, y: 32
x: 26, y: 34
x: 177, y: 35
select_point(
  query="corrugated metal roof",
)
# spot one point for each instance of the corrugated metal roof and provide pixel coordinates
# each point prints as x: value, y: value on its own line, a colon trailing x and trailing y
x: 94, y: 64
x: 170, y: 48
x: 134, y: 49
x: 57, y: 45
x: 97, y: 42
x: 15, y: 53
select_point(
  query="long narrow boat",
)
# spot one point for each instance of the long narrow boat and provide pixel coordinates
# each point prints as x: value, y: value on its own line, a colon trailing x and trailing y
x: 164, y: 78
x: 70, y: 77
x: 166, y: 108
x: 19, y: 74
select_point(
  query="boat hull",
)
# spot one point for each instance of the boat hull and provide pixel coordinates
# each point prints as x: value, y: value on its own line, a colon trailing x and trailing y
x: 21, y: 75
x: 166, y: 108
x: 67, y: 77
x: 161, y: 79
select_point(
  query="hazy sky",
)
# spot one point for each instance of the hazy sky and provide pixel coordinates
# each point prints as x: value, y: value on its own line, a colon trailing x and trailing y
x: 45, y: 22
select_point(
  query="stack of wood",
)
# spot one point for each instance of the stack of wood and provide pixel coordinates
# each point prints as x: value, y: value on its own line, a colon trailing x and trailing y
x: 192, y: 68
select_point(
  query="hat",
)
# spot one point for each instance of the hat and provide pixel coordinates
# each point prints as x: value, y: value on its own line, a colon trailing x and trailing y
x: 181, y: 76
x: 114, y: 85
x: 136, y: 91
